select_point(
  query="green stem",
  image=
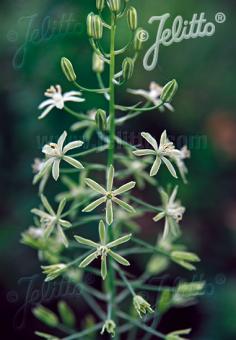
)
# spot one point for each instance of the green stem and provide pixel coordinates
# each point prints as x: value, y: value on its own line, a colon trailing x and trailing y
x: 111, y: 273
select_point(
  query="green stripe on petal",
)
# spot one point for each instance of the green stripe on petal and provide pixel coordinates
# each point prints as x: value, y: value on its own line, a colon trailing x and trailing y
x: 73, y: 162
x: 169, y: 167
x: 104, y: 267
x: 95, y: 186
x: 88, y: 260
x: 110, y: 178
x: 119, y: 241
x: 94, y: 204
x: 56, y: 169
x: 156, y: 166
x: 109, y: 212
x: 47, y: 205
x: 124, y: 188
x: 150, y: 140
x: 86, y: 241
x: 144, y: 152
x: 124, y: 205
x: 102, y: 232
x: 120, y: 259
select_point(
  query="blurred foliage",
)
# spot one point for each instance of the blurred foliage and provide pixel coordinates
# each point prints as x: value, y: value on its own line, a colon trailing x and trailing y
x: 35, y: 35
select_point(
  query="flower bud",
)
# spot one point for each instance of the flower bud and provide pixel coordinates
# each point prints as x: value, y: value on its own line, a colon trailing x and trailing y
x: 110, y: 327
x: 98, y: 63
x: 141, y: 305
x: 127, y: 68
x: 90, y: 24
x: 114, y: 5
x: 169, y: 91
x: 138, y: 42
x: 66, y: 314
x: 100, y: 4
x: 97, y: 27
x: 101, y: 120
x: 132, y: 18
x: 46, y: 316
x: 68, y: 69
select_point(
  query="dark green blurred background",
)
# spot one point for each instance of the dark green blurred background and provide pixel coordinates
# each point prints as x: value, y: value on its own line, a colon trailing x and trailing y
x: 205, y: 113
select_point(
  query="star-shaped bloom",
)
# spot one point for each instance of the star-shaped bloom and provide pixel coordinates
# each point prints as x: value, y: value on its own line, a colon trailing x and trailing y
x: 141, y: 305
x: 55, y: 153
x: 165, y: 149
x: 57, y: 99
x: 153, y: 95
x: 51, y: 220
x: 103, y: 249
x: 172, y: 211
x: 109, y: 195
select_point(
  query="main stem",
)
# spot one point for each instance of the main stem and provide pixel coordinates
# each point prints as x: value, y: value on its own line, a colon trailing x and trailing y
x: 111, y: 273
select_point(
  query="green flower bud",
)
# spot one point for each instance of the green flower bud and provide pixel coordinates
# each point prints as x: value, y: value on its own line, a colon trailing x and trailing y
x: 90, y: 24
x: 97, y: 27
x: 169, y: 91
x: 101, y: 120
x: 138, y: 42
x: 114, y: 5
x: 132, y: 18
x: 127, y: 68
x: 46, y: 316
x: 66, y: 314
x: 68, y: 69
x: 98, y: 63
x: 141, y: 305
x: 100, y: 4
x: 110, y: 327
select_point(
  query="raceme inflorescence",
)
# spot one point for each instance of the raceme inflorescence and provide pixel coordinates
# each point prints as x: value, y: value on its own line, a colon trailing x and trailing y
x: 93, y: 226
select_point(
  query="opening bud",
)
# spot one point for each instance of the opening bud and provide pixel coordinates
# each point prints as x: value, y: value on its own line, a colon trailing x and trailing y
x: 68, y: 69
x: 138, y: 41
x: 101, y: 120
x: 127, y: 68
x: 169, y: 91
x: 132, y: 18
x: 100, y: 4
x: 114, y: 5
x: 98, y: 63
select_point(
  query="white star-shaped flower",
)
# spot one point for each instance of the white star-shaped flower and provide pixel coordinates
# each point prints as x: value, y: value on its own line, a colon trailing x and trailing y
x: 55, y: 153
x: 58, y: 99
x: 165, y: 149
x: 153, y: 95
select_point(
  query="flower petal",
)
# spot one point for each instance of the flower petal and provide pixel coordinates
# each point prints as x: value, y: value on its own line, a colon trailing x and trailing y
x: 61, y: 207
x: 46, y: 111
x: 86, y: 242
x: 169, y: 167
x: 163, y: 139
x: 150, y: 140
x: 56, y: 169
x: 94, y: 204
x: 109, y: 212
x: 95, y: 186
x: 45, y: 103
x: 159, y: 216
x: 110, y: 178
x: 102, y: 232
x: 144, y: 152
x: 156, y: 166
x: 124, y: 205
x: 119, y: 241
x: 72, y: 145
x: 62, y: 236
x: 88, y: 260
x: 120, y: 259
x: 124, y: 188
x: 61, y: 140
x: 47, y: 205
x: 104, y: 267
x: 73, y: 162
